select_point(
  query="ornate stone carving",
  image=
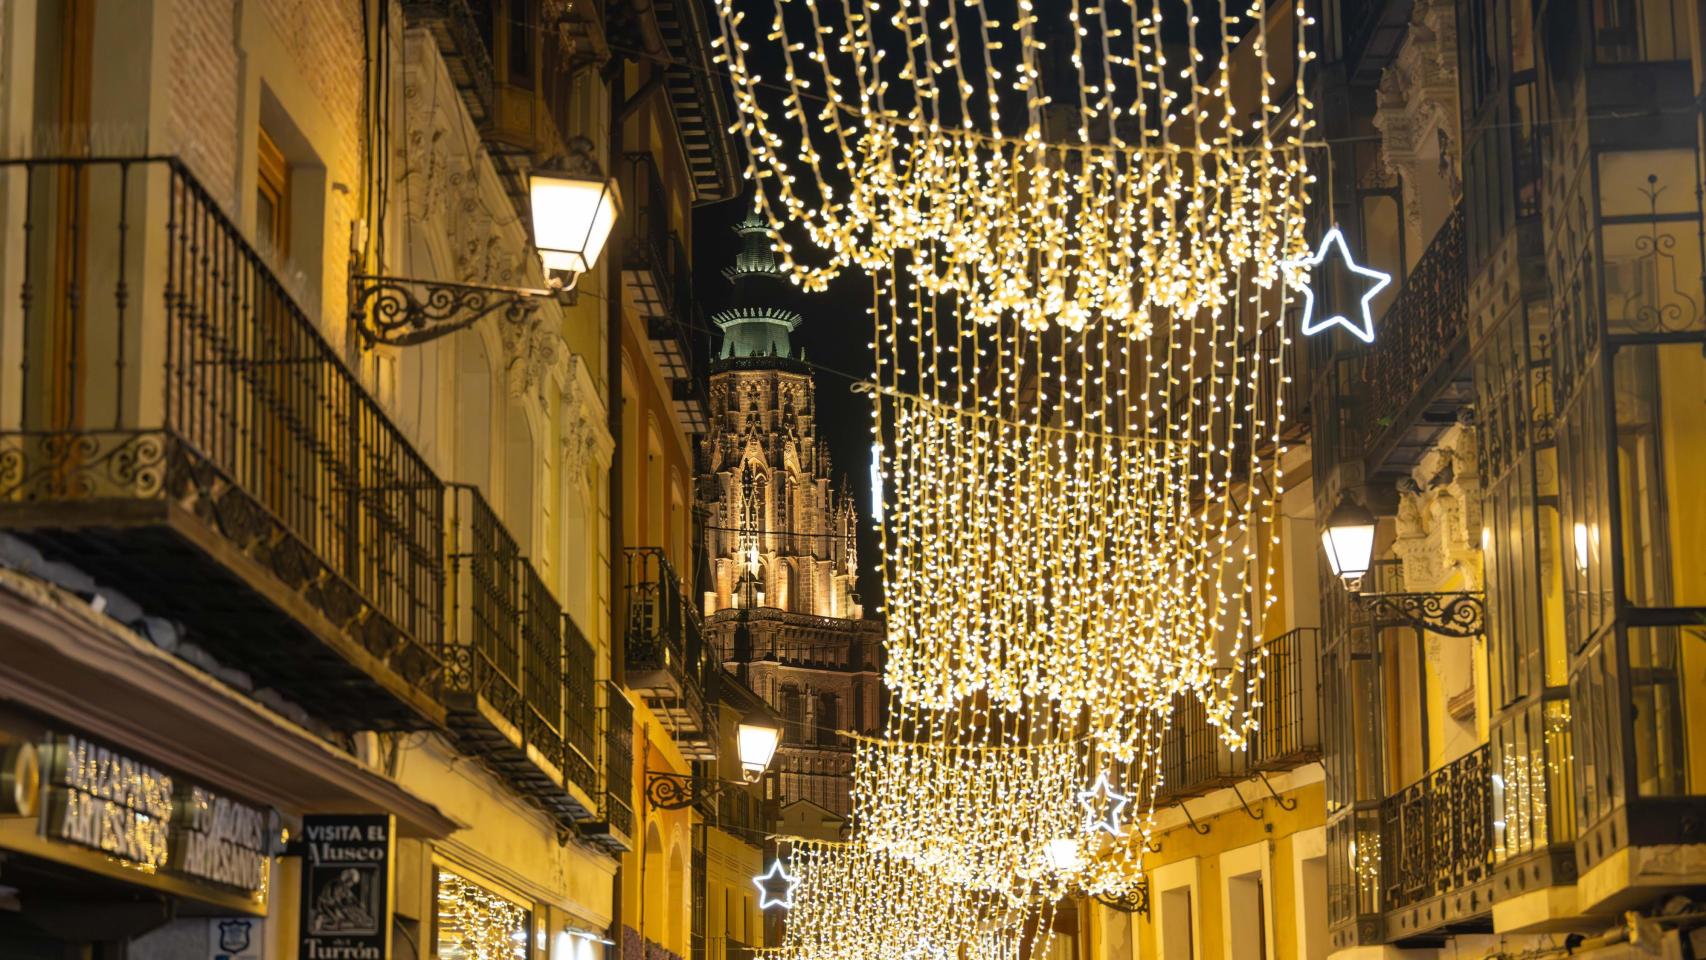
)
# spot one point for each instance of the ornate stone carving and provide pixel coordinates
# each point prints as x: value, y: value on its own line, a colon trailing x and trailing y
x: 1417, y: 117
x: 586, y: 440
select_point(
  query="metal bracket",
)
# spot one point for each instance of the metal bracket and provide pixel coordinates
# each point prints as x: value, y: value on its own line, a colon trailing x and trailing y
x: 1200, y: 828
x: 674, y: 791
x: 1451, y: 614
x: 1254, y: 814
x: 1284, y: 804
x: 402, y: 311
x: 1136, y: 900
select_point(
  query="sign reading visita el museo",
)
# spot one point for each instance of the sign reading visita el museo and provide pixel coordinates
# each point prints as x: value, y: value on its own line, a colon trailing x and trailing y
x: 346, y: 887
x: 105, y: 800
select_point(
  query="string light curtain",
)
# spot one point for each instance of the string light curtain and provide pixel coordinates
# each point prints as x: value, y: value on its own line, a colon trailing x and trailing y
x: 1082, y: 518
x: 1048, y: 162
x: 1006, y: 803
x: 855, y: 902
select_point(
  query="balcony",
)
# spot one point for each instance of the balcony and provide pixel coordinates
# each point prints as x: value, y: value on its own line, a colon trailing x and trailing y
x: 507, y: 666
x: 1195, y: 762
x: 1436, y: 852
x: 176, y: 425
x: 666, y: 657
x: 657, y: 281
x: 461, y: 40
x: 614, y: 829
x: 1289, y: 730
x: 1414, y: 379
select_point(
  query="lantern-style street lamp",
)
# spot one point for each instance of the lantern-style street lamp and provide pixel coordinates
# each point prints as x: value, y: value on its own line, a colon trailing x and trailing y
x: 756, y: 743
x: 1348, y: 541
x: 573, y: 207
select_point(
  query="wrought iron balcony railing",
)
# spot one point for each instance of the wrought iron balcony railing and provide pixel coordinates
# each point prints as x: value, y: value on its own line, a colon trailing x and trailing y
x: 1289, y: 731
x: 666, y: 658
x: 1421, y: 342
x: 507, y: 664
x: 176, y: 425
x: 614, y: 828
x: 463, y: 42
x: 657, y: 280
x: 1436, y: 834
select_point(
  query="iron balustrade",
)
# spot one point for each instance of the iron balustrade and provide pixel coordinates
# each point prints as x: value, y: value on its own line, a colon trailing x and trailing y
x: 619, y: 760
x: 482, y: 652
x: 1288, y: 731
x: 1419, y: 341
x: 1436, y: 834
x: 464, y: 40
x: 168, y: 373
x: 580, y: 707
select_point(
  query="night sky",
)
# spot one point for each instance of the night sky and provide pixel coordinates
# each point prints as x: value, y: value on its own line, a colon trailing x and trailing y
x: 835, y: 335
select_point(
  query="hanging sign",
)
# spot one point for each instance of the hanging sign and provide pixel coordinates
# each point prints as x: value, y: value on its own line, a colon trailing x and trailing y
x: 347, y: 887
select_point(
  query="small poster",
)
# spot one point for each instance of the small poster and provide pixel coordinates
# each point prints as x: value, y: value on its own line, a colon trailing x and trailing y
x: 235, y: 938
x: 346, y: 887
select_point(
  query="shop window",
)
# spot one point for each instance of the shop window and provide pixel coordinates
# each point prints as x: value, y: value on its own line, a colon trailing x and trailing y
x: 272, y: 196
x: 474, y: 923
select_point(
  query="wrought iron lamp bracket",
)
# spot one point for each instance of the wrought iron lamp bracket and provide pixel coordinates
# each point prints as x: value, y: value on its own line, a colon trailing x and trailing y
x: 1450, y: 614
x: 402, y: 311
x: 675, y: 791
x: 1135, y: 900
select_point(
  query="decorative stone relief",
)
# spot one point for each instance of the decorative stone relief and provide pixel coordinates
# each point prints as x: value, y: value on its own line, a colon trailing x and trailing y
x: 586, y: 438
x: 1439, y: 515
x: 1417, y: 116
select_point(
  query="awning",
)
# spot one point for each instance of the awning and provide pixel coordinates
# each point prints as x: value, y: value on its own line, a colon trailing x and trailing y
x: 60, y: 658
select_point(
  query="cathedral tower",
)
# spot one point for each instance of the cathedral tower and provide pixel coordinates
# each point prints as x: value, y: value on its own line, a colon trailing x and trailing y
x: 781, y: 538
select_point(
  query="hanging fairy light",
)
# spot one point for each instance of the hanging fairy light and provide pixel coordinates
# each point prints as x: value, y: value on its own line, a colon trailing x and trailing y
x: 1059, y: 164
x: 1080, y: 518
x: 996, y: 802
x: 855, y: 902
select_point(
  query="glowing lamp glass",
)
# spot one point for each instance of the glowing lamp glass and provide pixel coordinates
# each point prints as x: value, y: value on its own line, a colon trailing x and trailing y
x: 572, y: 219
x: 1349, y: 541
x: 757, y: 744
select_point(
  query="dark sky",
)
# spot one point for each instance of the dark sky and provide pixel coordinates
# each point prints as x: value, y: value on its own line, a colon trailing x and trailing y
x: 835, y: 335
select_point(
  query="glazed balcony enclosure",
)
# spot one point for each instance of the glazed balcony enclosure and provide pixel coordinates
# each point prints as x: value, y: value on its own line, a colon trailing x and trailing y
x: 667, y: 662
x: 176, y: 426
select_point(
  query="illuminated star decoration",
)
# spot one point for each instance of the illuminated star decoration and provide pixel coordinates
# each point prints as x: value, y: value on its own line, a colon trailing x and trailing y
x: 776, y: 878
x: 1363, y: 328
x: 1113, y: 803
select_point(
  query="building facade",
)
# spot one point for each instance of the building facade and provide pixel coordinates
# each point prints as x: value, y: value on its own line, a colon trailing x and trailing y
x: 325, y: 519
x: 781, y: 538
x: 1508, y: 699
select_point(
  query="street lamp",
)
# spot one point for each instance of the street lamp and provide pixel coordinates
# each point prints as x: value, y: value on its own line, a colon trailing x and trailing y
x: 573, y: 206
x: 756, y: 744
x: 1349, y: 544
x: 572, y: 218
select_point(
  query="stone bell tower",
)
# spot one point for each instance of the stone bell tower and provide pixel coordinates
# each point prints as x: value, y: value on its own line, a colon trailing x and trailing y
x: 781, y: 538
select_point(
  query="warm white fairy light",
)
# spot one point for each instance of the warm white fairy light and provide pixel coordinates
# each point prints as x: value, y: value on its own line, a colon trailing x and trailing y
x: 855, y: 902
x: 992, y: 802
x: 1135, y: 184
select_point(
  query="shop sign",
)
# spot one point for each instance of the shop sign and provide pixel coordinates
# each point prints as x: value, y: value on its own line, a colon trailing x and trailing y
x: 346, y: 887
x: 99, y: 798
x: 235, y: 938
